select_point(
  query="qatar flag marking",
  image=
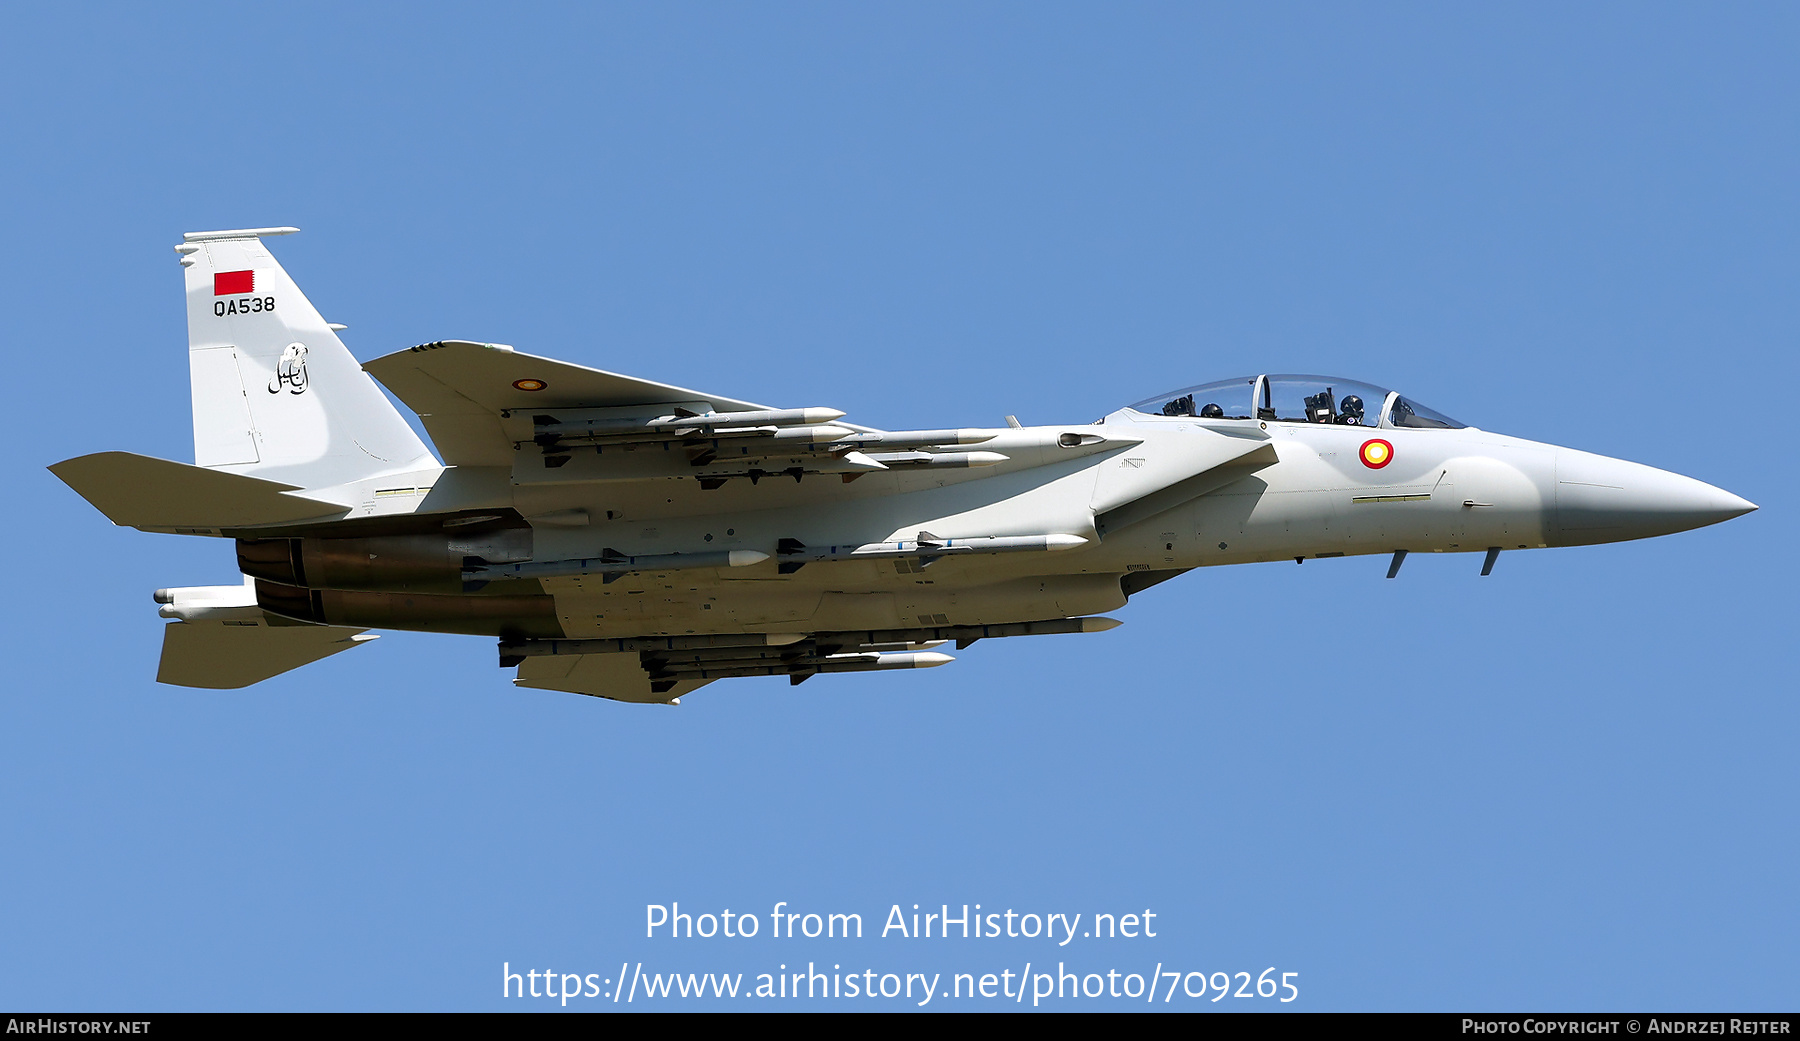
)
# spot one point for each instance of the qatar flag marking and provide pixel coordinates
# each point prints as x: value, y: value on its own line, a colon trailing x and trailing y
x: 234, y: 283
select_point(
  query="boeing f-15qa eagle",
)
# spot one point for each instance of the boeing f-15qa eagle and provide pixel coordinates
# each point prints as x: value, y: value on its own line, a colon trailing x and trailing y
x: 635, y: 541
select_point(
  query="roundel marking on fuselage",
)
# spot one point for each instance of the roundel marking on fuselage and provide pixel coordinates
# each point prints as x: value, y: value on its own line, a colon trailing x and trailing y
x: 1376, y: 453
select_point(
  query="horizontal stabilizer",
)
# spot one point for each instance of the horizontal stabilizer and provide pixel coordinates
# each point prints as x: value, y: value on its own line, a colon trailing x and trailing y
x: 228, y: 655
x: 139, y: 491
x: 459, y: 388
x: 620, y: 677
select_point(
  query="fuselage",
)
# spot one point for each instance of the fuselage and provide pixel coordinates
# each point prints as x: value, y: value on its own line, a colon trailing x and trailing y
x: 1284, y: 490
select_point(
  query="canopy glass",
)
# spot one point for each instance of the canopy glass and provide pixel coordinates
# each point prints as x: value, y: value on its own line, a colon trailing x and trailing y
x: 1286, y: 398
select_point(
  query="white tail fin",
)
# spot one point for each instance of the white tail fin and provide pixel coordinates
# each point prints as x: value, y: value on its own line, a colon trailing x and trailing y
x: 276, y: 394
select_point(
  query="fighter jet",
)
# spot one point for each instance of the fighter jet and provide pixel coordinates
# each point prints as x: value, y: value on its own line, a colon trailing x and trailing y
x: 635, y: 540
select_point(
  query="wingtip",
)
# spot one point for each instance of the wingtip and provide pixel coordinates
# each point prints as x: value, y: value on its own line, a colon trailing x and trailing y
x: 236, y: 233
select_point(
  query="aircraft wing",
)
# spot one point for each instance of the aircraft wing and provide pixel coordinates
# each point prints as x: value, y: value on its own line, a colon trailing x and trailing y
x: 459, y: 388
x: 658, y: 671
x: 619, y: 677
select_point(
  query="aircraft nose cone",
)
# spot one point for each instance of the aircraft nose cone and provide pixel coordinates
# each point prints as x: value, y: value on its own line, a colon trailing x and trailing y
x: 1600, y: 499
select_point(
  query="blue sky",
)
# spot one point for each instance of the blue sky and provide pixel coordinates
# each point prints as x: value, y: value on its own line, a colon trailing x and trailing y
x: 1567, y: 786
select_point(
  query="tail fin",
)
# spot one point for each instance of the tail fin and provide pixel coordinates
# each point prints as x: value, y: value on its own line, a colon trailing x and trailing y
x: 276, y: 394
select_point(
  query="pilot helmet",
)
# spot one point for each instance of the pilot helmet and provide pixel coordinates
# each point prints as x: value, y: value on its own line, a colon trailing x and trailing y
x: 1351, y: 405
x: 1211, y: 411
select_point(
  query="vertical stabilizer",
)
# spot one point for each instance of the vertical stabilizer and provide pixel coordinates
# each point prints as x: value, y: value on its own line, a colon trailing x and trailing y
x: 276, y: 393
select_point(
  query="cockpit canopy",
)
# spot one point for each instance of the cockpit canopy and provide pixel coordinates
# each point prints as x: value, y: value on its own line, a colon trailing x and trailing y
x: 1291, y: 398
